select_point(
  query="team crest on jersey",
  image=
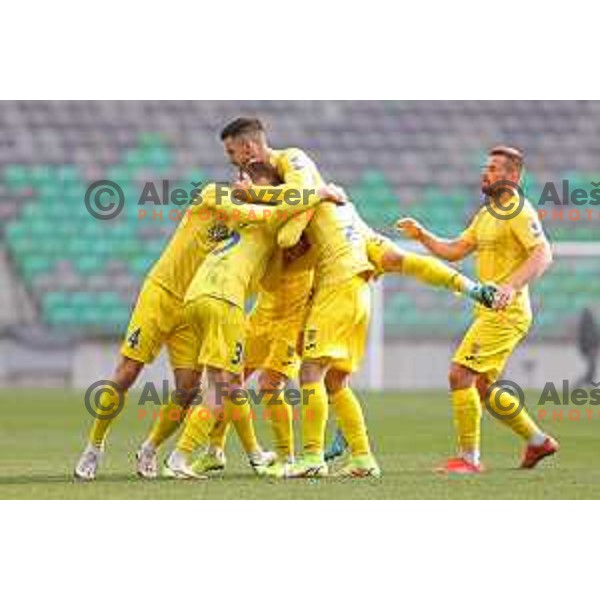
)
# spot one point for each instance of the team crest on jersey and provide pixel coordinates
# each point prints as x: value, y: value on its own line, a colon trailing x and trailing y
x: 218, y: 232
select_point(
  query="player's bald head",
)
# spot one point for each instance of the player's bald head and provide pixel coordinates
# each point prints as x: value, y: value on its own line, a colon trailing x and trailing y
x: 513, y: 157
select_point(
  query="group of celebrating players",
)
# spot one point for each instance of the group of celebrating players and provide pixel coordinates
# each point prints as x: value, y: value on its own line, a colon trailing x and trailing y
x: 309, y: 265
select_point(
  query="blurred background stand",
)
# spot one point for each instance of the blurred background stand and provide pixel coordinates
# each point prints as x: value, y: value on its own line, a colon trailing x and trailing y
x: 588, y: 344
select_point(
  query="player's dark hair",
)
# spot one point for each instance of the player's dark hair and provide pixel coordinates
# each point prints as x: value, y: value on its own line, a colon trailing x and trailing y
x: 513, y: 155
x: 241, y: 126
x: 263, y: 170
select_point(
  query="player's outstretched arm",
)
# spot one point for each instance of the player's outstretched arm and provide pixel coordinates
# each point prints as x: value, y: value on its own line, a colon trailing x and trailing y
x: 230, y: 208
x: 451, y: 250
x: 289, y: 235
x: 301, y: 178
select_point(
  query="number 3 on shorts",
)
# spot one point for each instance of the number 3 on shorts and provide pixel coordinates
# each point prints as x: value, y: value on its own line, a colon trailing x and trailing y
x: 237, y: 355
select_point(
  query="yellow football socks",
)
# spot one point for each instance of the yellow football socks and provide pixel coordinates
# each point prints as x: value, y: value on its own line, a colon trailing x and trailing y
x: 242, y: 417
x: 506, y: 408
x: 198, y: 425
x: 243, y: 421
x: 467, y: 422
x: 219, y: 431
x: 432, y: 271
x: 170, y: 417
x: 314, y: 417
x: 281, y: 418
x: 108, y: 406
x: 351, y: 421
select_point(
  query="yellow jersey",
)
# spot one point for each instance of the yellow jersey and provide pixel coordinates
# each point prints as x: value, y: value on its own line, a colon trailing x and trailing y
x: 204, y: 225
x: 284, y: 301
x: 501, y: 247
x: 340, y: 237
x: 336, y: 232
x: 296, y: 169
x: 230, y: 271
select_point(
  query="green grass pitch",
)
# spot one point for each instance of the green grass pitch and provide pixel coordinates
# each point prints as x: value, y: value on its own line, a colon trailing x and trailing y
x: 42, y: 433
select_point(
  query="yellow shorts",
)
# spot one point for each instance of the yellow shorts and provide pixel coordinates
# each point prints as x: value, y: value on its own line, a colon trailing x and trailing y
x: 220, y: 329
x: 158, y: 319
x: 490, y: 341
x: 266, y: 351
x: 337, y: 325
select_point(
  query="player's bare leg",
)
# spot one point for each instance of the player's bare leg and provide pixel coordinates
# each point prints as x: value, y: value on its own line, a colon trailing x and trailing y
x: 170, y: 417
x: 539, y: 444
x: 108, y: 405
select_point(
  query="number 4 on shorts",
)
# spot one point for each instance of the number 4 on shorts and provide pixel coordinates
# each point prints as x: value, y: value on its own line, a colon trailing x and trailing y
x: 134, y: 339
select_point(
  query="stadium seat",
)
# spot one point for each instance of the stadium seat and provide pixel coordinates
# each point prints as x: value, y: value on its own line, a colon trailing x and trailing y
x: 395, y: 158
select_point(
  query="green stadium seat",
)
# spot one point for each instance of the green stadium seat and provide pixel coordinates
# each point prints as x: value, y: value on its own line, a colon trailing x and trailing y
x: 17, y: 177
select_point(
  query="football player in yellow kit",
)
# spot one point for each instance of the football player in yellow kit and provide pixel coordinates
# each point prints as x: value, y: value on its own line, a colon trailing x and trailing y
x: 158, y: 320
x: 214, y: 307
x: 272, y: 334
x: 511, y: 251
x: 336, y: 327
x: 276, y: 321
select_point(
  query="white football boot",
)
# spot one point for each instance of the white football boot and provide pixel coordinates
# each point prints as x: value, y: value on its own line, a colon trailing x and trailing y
x: 176, y: 467
x: 88, y: 462
x: 147, y: 463
x: 261, y: 459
